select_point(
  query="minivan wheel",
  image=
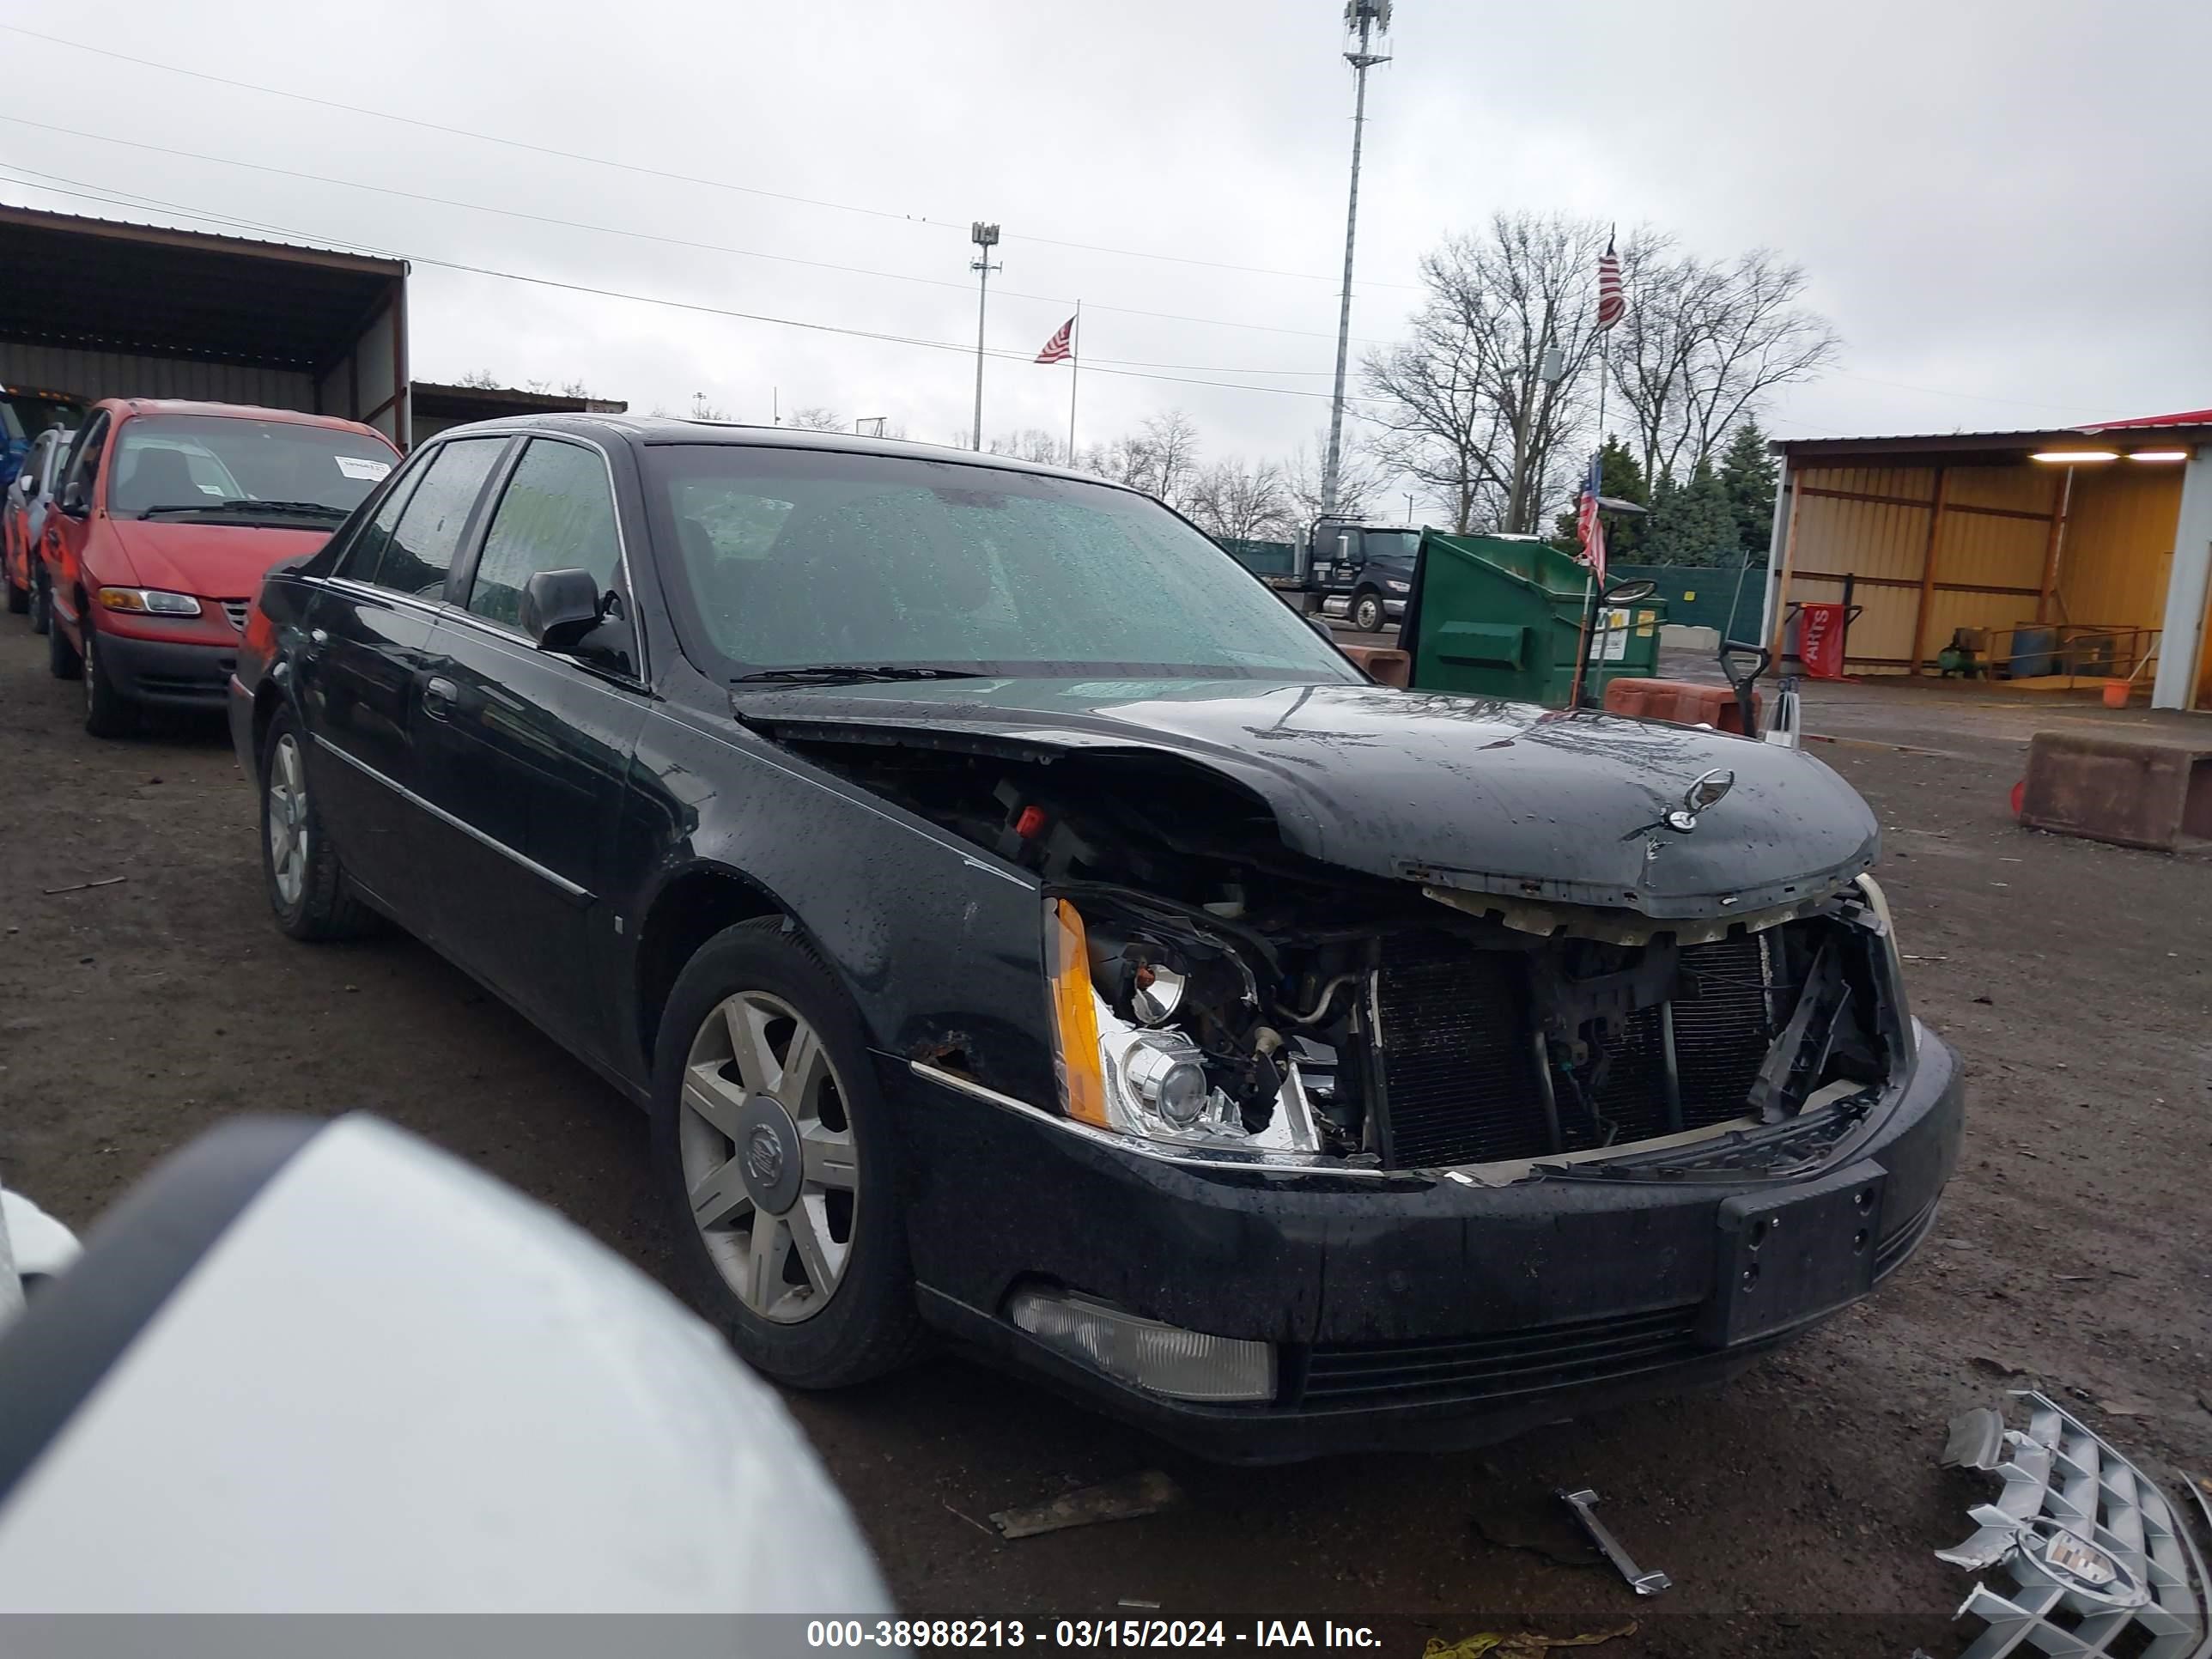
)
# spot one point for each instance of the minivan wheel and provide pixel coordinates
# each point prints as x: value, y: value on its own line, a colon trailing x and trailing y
x: 775, y: 1150
x: 42, y: 601
x: 1367, y: 612
x: 107, y: 712
x: 19, y: 599
x: 306, y: 885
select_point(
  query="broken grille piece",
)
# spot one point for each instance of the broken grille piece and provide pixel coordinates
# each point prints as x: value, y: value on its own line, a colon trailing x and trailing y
x: 2086, y: 1556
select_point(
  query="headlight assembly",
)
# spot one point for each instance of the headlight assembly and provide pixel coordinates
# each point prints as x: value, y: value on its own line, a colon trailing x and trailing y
x: 149, y: 601
x: 1160, y: 1038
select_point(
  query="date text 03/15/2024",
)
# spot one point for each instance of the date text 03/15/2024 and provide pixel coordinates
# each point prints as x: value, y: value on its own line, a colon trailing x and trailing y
x: 1085, y: 1633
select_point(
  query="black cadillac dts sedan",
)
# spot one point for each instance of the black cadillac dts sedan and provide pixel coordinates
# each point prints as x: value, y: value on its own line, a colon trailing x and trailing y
x: 1024, y: 930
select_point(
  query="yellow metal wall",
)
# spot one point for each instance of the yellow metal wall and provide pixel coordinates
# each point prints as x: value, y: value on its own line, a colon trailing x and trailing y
x: 2119, y: 545
x: 2113, y: 569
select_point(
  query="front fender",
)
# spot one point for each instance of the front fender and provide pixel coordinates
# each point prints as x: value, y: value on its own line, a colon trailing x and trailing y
x: 940, y: 944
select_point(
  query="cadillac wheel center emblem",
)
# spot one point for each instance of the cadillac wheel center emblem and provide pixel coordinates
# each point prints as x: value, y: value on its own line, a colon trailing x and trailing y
x: 764, y: 1155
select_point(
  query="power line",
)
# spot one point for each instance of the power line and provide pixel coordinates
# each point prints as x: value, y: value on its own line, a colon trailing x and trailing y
x: 89, y: 192
x: 648, y: 171
x: 670, y: 241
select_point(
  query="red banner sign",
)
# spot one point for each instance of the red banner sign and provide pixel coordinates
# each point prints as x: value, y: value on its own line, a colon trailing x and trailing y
x: 1821, y: 640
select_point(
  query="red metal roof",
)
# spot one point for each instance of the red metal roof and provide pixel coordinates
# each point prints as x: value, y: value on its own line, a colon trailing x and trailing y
x: 2188, y: 418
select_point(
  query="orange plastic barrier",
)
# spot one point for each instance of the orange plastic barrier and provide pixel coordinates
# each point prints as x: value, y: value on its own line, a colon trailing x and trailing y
x: 1686, y: 702
x: 1384, y: 664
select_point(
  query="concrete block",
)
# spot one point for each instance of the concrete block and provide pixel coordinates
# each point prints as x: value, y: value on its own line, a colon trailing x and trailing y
x: 2132, y: 792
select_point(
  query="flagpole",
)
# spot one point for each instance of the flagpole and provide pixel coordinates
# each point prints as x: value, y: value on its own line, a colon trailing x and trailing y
x: 1590, y: 589
x: 1074, y: 370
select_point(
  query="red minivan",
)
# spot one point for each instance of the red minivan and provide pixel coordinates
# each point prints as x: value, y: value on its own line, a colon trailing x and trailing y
x: 169, y: 515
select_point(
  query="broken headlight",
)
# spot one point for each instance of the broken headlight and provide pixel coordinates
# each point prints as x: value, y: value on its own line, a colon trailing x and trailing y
x: 1158, y: 1033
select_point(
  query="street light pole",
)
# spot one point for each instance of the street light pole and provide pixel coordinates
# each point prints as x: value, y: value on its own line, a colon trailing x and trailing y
x: 986, y: 237
x: 1366, y: 16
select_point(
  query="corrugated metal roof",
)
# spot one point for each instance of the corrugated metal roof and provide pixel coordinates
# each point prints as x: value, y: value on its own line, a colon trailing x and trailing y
x: 91, y: 224
x: 2015, y: 439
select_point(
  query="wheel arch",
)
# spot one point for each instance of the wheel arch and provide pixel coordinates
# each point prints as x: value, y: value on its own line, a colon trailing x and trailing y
x: 690, y: 908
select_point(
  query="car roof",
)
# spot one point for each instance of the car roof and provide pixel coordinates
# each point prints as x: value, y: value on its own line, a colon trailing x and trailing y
x: 239, y: 411
x: 649, y: 430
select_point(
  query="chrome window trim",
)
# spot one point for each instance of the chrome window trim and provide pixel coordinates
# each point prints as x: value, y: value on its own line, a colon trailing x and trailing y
x: 580, y: 895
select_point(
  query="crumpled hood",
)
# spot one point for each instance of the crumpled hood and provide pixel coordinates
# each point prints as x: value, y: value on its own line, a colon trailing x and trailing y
x: 1466, y: 793
x: 208, y: 561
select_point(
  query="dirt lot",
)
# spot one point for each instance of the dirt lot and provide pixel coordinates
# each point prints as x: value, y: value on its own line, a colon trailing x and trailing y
x: 1795, y: 1511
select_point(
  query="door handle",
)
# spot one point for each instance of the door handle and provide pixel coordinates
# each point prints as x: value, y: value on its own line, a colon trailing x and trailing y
x: 439, y: 695
x: 317, y: 639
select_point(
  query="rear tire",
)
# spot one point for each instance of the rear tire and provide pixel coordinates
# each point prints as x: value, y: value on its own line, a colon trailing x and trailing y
x: 62, y: 659
x: 42, y: 600
x: 798, y: 1140
x: 19, y: 600
x: 107, y: 712
x: 306, y: 885
x: 1367, y: 612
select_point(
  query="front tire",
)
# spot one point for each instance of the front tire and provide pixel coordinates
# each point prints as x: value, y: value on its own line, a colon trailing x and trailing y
x: 306, y: 885
x: 107, y: 712
x: 1367, y: 612
x: 42, y: 600
x: 774, y: 1147
x: 19, y: 599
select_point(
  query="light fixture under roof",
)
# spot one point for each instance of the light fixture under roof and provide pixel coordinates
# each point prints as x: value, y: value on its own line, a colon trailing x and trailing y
x: 2074, y: 456
x: 2158, y: 454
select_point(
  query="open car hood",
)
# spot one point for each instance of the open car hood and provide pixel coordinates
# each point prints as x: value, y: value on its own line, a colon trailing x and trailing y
x: 1462, y: 792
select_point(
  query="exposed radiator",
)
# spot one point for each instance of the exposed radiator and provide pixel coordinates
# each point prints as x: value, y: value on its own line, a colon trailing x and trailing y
x: 1459, y: 1064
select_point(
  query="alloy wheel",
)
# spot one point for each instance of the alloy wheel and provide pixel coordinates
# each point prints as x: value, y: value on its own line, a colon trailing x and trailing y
x: 767, y: 1156
x: 287, y: 817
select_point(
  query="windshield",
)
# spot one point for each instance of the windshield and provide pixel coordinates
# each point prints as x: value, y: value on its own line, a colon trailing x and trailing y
x: 792, y: 558
x: 205, y: 461
x: 1398, y: 544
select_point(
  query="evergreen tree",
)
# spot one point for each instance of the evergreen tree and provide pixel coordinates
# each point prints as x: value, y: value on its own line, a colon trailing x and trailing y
x: 1621, y: 478
x: 1748, y: 475
x: 1691, y: 523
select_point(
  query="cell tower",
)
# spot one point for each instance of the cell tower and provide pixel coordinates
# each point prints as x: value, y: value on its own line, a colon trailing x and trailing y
x: 1363, y: 19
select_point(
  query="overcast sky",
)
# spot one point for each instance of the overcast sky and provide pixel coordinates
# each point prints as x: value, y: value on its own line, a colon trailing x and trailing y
x: 2005, y: 205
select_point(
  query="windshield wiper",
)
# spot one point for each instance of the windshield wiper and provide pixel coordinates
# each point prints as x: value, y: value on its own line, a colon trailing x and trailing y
x: 831, y: 673
x: 285, y: 509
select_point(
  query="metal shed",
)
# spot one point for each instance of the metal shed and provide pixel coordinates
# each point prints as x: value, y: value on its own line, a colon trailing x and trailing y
x: 435, y: 407
x: 103, y: 308
x: 2099, y: 539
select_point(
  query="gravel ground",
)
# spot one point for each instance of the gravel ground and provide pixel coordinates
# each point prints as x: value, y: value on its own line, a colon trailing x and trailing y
x: 1795, y: 1510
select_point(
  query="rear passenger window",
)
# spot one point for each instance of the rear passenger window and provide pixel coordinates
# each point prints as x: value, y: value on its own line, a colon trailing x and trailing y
x: 556, y: 513
x: 360, y: 562
x: 420, y: 548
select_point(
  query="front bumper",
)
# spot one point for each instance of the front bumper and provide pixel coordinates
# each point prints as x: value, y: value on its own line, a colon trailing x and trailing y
x: 1410, y: 1311
x: 168, y: 673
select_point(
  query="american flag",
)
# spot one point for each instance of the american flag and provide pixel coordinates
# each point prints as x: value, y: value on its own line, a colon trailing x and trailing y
x: 1611, y: 299
x: 1061, y: 346
x: 1589, y: 530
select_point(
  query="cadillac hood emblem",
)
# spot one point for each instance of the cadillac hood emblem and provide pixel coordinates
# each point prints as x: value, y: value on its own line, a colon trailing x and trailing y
x: 1701, y: 796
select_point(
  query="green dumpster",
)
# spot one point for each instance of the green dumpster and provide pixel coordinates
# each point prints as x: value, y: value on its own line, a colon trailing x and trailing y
x: 1501, y: 617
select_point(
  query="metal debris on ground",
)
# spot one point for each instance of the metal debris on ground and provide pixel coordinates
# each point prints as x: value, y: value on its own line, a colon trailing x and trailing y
x: 87, y: 886
x: 1115, y: 1500
x: 1583, y: 1503
x: 2089, y: 1556
x: 1518, y: 1643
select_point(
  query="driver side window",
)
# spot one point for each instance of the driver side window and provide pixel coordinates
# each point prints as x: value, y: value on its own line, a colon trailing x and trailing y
x: 83, y: 467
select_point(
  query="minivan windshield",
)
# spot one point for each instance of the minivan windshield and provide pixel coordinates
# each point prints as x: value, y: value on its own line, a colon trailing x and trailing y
x: 233, y: 466
x: 796, y: 558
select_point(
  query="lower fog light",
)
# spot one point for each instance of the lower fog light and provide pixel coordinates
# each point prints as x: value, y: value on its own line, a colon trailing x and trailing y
x: 1162, y: 1359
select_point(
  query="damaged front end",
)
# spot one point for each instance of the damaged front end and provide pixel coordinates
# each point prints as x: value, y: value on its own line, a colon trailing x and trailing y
x: 1216, y: 995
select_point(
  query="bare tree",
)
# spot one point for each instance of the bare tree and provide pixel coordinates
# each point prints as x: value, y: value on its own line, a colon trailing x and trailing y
x: 1031, y: 443
x: 703, y: 410
x: 1232, y: 501
x: 1160, y: 458
x: 481, y: 379
x: 1465, y: 407
x: 1703, y: 345
x: 1360, y: 479
x: 815, y: 417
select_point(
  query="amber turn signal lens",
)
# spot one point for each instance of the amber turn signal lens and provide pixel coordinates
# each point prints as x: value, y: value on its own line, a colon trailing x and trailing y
x: 1074, y: 1018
